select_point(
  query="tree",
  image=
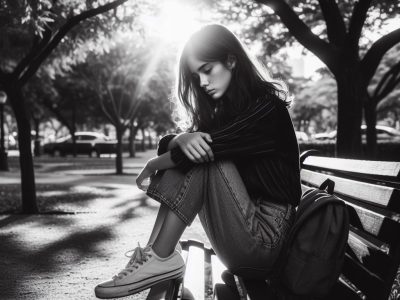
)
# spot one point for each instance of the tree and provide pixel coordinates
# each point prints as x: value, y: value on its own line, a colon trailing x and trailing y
x: 316, y: 102
x: 31, y: 31
x: 386, y: 79
x: 76, y: 104
x: 124, y: 78
x: 334, y: 32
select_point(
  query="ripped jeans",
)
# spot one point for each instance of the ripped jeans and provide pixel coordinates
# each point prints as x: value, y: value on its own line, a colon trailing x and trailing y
x: 246, y: 234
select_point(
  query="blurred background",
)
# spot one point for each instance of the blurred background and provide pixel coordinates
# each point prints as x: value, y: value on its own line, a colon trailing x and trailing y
x: 111, y: 78
x: 96, y: 78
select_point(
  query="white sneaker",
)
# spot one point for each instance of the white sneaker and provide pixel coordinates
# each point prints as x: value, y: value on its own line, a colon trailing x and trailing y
x: 144, y: 269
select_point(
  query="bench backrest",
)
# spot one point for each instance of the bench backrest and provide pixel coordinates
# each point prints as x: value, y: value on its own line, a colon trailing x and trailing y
x: 371, y: 190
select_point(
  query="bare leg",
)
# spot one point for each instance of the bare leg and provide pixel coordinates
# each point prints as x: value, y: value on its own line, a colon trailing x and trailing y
x: 169, y: 234
x: 162, y: 213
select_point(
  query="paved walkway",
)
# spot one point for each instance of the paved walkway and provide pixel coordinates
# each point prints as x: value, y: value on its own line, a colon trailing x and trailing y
x: 63, y: 256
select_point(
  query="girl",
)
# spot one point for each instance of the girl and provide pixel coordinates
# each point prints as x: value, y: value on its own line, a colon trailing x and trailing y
x: 236, y: 166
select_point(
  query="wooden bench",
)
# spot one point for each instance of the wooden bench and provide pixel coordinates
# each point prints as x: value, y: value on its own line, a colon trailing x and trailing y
x: 371, y: 190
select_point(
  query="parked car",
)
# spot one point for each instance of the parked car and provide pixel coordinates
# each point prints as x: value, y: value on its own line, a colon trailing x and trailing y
x: 301, y: 136
x: 325, y: 136
x: 383, y: 133
x: 90, y: 143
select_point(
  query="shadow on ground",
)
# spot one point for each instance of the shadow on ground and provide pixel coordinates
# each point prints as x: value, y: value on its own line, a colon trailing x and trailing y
x: 53, y: 198
x: 51, y: 247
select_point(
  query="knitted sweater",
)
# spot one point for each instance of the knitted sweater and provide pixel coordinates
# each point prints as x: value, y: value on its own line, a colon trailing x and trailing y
x: 262, y: 143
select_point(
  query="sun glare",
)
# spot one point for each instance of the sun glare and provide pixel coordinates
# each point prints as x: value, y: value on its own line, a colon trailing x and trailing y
x: 175, y: 21
x: 172, y: 24
x: 178, y: 21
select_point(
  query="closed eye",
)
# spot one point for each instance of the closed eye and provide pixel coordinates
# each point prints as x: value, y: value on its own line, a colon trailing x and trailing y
x: 207, y: 71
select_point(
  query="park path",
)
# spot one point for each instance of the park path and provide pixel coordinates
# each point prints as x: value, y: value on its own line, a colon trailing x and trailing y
x: 63, y: 256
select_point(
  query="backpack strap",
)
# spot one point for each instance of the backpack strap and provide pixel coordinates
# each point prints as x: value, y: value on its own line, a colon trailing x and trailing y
x: 328, y: 185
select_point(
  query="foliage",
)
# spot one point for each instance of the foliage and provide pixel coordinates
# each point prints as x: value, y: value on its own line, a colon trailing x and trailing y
x: 260, y: 22
x: 317, y: 102
x: 30, y: 29
x: 390, y: 102
x: 126, y: 75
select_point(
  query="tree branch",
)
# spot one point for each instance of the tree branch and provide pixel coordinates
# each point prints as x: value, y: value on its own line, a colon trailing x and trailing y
x: 335, y: 26
x: 387, y: 83
x: 357, y: 21
x: 133, y: 112
x: 55, y: 40
x: 372, y: 58
x: 58, y: 114
x: 114, y: 105
x: 35, y: 51
x: 105, y: 111
x: 303, y: 34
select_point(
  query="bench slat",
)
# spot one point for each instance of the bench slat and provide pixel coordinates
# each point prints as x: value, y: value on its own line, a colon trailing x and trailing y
x: 344, y: 281
x: 369, y: 283
x: 374, y: 257
x: 345, y: 289
x: 380, y: 223
x: 217, y: 267
x: 374, y: 194
x: 367, y: 167
x: 193, y: 281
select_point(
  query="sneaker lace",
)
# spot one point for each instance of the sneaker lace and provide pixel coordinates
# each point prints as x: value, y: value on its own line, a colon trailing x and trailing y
x: 137, y: 258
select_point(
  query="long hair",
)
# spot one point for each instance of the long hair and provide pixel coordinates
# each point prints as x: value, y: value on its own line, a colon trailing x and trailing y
x: 195, y: 109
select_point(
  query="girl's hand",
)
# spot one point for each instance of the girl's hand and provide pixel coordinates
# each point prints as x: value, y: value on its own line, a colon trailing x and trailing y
x: 195, y: 146
x: 144, y: 178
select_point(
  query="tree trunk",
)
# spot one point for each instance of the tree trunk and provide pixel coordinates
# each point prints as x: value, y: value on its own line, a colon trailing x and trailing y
x: 36, y: 149
x: 150, y: 140
x: 132, y: 135
x: 118, y: 159
x: 28, y: 189
x: 370, y: 120
x: 74, y: 152
x: 143, y: 139
x: 348, y: 143
x: 73, y: 129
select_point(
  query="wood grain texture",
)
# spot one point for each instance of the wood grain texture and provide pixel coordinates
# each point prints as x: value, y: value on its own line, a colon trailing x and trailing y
x: 193, y: 281
x: 374, y: 194
x: 367, y: 167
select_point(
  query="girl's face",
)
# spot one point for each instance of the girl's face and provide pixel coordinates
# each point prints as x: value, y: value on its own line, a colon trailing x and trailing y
x: 214, y: 77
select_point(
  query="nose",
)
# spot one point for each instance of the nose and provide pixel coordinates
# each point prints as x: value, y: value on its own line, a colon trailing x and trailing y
x: 203, y: 81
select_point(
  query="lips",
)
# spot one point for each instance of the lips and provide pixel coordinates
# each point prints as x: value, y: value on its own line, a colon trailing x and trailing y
x: 210, y: 92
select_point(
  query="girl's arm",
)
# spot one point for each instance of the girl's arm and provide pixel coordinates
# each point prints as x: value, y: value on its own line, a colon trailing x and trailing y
x: 193, y: 144
x: 252, y: 133
x: 161, y: 162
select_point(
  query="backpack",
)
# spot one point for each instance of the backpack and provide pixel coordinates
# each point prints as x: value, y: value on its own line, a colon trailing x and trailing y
x: 316, y: 244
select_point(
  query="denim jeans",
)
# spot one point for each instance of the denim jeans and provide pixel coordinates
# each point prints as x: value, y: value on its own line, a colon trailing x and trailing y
x: 246, y: 234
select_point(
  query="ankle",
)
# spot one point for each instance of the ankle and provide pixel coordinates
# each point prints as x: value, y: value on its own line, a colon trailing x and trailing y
x: 162, y: 253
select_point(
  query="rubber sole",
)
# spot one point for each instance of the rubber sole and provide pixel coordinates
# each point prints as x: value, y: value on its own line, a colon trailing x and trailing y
x: 129, y: 289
